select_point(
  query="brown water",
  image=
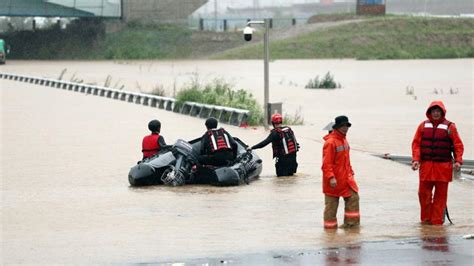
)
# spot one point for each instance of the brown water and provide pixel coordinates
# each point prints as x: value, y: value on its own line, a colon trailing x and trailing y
x: 65, y: 158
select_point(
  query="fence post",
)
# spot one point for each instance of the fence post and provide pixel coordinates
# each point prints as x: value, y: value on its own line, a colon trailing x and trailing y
x: 293, y: 21
x: 225, y: 25
x: 271, y: 23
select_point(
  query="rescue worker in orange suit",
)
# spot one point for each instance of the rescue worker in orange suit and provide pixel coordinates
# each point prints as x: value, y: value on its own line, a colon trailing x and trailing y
x: 284, y: 146
x: 152, y: 143
x: 338, y: 177
x: 218, y: 147
x: 435, y: 147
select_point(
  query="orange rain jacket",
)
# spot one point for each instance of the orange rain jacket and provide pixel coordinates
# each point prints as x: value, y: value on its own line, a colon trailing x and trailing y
x: 336, y: 163
x: 433, y: 170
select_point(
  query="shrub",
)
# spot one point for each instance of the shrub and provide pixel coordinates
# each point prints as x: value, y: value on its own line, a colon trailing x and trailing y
x: 294, y: 119
x: 326, y: 83
x: 158, y: 90
x: 219, y: 92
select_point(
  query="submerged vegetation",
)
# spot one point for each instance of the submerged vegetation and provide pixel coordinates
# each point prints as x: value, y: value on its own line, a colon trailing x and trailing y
x: 325, y: 83
x: 219, y: 92
x: 293, y: 119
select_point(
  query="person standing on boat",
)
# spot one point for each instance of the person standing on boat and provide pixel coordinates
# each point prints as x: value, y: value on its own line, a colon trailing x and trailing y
x: 338, y: 177
x: 436, y: 147
x: 284, y: 146
x: 152, y: 143
x: 218, y: 147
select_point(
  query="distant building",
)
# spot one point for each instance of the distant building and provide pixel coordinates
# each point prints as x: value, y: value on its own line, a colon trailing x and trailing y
x: 160, y: 11
x: 370, y: 7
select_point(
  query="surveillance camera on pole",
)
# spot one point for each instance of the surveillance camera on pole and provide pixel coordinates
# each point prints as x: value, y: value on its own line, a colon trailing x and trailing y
x: 248, y: 31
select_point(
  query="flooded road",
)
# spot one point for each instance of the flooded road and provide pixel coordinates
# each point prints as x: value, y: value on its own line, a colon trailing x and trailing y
x: 65, y: 158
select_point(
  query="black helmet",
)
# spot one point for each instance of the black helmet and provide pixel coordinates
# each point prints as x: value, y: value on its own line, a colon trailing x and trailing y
x: 211, y: 122
x: 154, y: 125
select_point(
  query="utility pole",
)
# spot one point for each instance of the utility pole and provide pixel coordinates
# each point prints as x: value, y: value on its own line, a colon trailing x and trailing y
x: 266, y: 51
x: 266, y: 58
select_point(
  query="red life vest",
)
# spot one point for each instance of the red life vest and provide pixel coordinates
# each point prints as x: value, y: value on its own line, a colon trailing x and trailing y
x: 286, y: 144
x: 218, y: 140
x: 436, y: 145
x: 150, y: 145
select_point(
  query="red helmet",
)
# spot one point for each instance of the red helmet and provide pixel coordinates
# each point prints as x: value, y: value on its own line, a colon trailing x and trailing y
x: 277, y: 118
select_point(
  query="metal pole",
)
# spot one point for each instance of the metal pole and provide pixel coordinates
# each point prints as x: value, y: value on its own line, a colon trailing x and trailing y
x: 266, y: 58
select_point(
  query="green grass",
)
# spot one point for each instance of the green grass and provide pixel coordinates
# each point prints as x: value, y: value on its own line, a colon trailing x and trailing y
x: 376, y: 38
x: 327, y: 82
x: 389, y: 37
x: 146, y: 42
x: 86, y: 39
x: 219, y: 92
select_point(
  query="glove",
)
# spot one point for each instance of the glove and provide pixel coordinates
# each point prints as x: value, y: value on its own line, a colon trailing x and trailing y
x: 457, y: 166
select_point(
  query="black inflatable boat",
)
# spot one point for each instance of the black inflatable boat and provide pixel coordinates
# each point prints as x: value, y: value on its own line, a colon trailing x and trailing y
x: 177, y: 165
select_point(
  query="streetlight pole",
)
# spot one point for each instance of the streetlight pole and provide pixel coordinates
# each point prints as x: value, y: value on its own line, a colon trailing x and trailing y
x: 266, y: 56
x: 266, y: 51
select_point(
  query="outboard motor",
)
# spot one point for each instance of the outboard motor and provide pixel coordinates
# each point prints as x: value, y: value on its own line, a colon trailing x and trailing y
x: 179, y: 173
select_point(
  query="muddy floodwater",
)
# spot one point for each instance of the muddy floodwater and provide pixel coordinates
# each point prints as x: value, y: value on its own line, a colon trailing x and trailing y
x: 65, y: 157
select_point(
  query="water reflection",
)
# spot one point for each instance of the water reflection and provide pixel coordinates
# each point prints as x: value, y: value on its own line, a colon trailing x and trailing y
x: 434, y: 238
x: 289, y: 180
x: 187, y: 189
x: 342, y: 256
x: 349, y: 254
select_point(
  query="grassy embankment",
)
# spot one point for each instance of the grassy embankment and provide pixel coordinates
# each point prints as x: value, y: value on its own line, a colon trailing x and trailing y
x: 375, y: 38
x: 87, y: 40
x: 389, y: 37
x: 164, y: 42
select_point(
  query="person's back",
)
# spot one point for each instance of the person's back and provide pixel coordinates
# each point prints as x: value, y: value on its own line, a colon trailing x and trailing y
x: 284, y: 147
x: 218, y: 147
x: 285, y: 144
x: 151, y: 144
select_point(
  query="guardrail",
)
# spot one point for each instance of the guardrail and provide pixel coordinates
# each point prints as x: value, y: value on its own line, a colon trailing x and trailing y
x: 467, y: 163
x: 467, y: 168
x: 228, y: 115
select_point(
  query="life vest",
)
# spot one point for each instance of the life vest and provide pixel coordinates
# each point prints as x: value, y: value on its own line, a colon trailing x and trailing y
x: 436, y: 145
x: 218, y: 140
x: 286, y: 144
x: 150, y: 145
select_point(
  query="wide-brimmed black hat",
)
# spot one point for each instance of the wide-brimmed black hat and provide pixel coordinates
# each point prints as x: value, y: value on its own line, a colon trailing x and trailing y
x: 340, y: 121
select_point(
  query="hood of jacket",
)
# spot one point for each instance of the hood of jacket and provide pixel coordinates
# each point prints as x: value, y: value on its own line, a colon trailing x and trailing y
x: 334, y: 134
x: 436, y: 104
